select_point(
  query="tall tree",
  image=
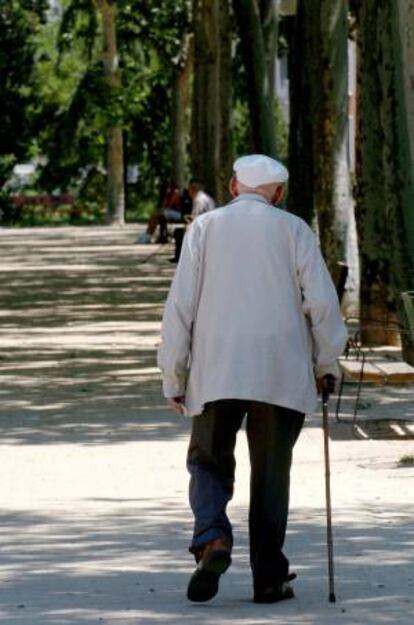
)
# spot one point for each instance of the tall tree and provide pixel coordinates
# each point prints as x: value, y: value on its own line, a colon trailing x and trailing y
x: 397, y: 77
x: 404, y: 103
x: 269, y: 21
x: 257, y: 31
x: 377, y: 304
x: 180, y: 108
x: 330, y: 132
x: 301, y: 87
x: 318, y: 158
x: 163, y: 29
x: 210, y: 145
x: 90, y: 20
x: 115, y: 208
x: 147, y: 39
x: 386, y: 166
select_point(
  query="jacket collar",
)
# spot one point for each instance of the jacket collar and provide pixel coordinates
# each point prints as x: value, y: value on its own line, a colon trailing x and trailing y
x: 251, y: 196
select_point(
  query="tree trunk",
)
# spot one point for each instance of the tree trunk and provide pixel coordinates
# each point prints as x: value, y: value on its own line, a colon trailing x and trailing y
x: 211, y: 153
x: 180, y: 112
x: 406, y: 28
x: 269, y: 20
x: 397, y: 79
x: 332, y: 185
x: 301, y: 86
x: 259, y: 85
x: 319, y: 169
x: 377, y: 308
x: 205, y: 93
x: 395, y: 31
x: 115, y: 211
x: 225, y: 155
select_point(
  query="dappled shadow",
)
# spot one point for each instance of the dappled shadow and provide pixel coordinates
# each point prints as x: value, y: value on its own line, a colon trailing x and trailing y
x: 80, y: 314
x: 126, y: 561
x: 80, y: 318
x: 383, y: 411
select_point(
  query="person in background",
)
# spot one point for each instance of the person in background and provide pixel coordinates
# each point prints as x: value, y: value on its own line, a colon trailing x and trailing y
x: 252, y: 327
x: 202, y: 203
x: 171, y: 211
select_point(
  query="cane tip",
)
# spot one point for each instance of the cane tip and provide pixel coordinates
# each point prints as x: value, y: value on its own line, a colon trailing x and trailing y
x: 332, y: 598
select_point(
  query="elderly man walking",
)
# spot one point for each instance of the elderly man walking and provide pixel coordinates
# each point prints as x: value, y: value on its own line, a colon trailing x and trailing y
x: 251, y: 328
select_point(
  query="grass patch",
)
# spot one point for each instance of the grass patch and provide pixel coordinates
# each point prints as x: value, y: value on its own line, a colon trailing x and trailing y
x: 406, y: 461
x: 78, y: 214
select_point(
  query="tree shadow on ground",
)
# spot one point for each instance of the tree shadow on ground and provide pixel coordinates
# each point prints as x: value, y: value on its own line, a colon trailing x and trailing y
x: 80, y: 320
x: 87, y: 397
x: 80, y: 315
x: 126, y: 561
x: 382, y: 412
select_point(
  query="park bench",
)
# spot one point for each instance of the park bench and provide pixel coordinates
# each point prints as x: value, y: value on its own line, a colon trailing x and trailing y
x: 379, y: 365
x: 407, y: 298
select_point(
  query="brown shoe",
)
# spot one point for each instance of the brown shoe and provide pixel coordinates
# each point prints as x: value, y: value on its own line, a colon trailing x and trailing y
x: 215, y: 561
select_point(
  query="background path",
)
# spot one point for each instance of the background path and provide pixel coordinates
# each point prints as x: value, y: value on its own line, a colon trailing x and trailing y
x: 94, y: 524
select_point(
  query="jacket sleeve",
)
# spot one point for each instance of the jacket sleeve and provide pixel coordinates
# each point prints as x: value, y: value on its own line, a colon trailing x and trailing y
x: 320, y: 305
x: 178, y: 318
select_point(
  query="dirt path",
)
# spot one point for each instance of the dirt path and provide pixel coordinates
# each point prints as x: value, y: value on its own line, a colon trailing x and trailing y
x: 93, y: 484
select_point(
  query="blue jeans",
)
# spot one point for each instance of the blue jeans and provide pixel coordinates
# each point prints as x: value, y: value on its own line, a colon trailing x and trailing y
x: 272, y: 432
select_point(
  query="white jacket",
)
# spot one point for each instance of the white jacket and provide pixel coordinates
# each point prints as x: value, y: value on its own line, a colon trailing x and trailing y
x: 252, y: 312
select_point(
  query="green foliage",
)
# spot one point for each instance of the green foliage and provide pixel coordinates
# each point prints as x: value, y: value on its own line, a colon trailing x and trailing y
x: 241, y: 129
x: 282, y: 132
x: 90, y: 204
x: 79, y: 25
x: 406, y: 461
x: 78, y: 105
x: 157, y: 25
x: 31, y: 215
x: 20, y: 20
x: 8, y: 212
x: 75, y: 137
x: 62, y: 106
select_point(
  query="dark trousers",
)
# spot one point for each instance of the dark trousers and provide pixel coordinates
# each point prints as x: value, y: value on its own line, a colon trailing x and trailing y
x: 272, y: 432
x: 179, y: 233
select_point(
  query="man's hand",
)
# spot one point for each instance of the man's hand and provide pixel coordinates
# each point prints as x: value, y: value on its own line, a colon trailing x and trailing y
x: 177, y: 404
x: 326, y: 385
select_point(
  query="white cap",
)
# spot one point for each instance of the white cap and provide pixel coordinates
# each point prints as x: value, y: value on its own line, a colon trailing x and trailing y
x: 257, y: 169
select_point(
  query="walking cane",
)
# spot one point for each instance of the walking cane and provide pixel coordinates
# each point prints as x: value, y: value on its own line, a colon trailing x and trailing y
x: 325, y: 398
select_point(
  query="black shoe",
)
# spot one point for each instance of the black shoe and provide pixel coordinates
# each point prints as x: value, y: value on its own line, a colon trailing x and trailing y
x: 271, y: 594
x: 204, y: 582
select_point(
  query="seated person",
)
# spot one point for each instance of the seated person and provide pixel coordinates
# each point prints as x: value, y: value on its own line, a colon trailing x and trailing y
x: 201, y: 201
x: 174, y: 206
